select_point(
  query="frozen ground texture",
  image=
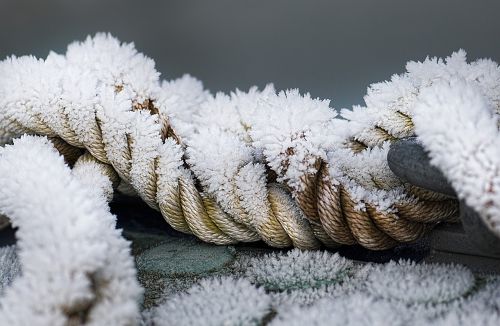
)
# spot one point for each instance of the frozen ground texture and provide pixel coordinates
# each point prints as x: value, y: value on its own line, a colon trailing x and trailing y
x: 286, y: 288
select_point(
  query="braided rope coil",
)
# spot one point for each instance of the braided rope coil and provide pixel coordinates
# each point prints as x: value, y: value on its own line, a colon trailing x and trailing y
x: 142, y: 130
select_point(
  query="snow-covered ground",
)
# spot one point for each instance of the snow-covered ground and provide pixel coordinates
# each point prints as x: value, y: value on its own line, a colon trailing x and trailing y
x: 321, y: 288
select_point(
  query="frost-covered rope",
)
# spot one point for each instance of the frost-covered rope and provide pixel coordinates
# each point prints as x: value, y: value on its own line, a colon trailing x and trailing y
x: 468, y: 150
x: 253, y: 165
x: 76, y: 267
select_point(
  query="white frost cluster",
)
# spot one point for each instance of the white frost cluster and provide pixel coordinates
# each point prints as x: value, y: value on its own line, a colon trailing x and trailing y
x: 419, y: 283
x: 180, y: 101
x: 233, y: 137
x: 99, y: 77
x: 395, y: 293
x: 73, y: 84
x: 481, y: 308
x: 75, y: 264
x: 216, y: 157
x: 364, y: 308
x: 352, y: 310
x: 366, y: 177
x: 293, y: 131
x: 296, y: 270
x: 299, y: 277
x: 115, y: 64
x: 385, y: 99
x: 214, y: 302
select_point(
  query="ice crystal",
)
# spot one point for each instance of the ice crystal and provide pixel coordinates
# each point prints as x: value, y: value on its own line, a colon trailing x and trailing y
x: 218, y: 301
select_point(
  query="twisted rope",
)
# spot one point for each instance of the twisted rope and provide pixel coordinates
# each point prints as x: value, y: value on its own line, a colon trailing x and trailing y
x: 126, y: 128
x: 76, y: 266
x: 331, y: 205
x: 330, y: 211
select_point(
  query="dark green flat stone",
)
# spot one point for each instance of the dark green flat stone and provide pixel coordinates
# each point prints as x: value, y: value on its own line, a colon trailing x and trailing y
x: 185, y: 257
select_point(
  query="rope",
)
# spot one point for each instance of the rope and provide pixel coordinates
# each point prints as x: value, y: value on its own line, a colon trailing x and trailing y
x: 330, y: 211
x: 138, y: 142
x: 76, y: 267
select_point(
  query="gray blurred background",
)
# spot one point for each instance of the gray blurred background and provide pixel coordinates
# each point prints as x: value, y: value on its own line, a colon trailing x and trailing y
x: 333, y: 49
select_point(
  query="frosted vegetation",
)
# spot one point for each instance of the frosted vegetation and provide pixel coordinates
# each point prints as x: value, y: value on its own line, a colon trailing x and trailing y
x: 75, y: 265
x: 213, y: 302
x: 264, y: 289
x: 287, y: 289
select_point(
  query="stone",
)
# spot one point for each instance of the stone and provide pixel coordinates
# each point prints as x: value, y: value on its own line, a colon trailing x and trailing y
x: 185, y: 257
x: 480, y: 232
x: 408, y: 159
